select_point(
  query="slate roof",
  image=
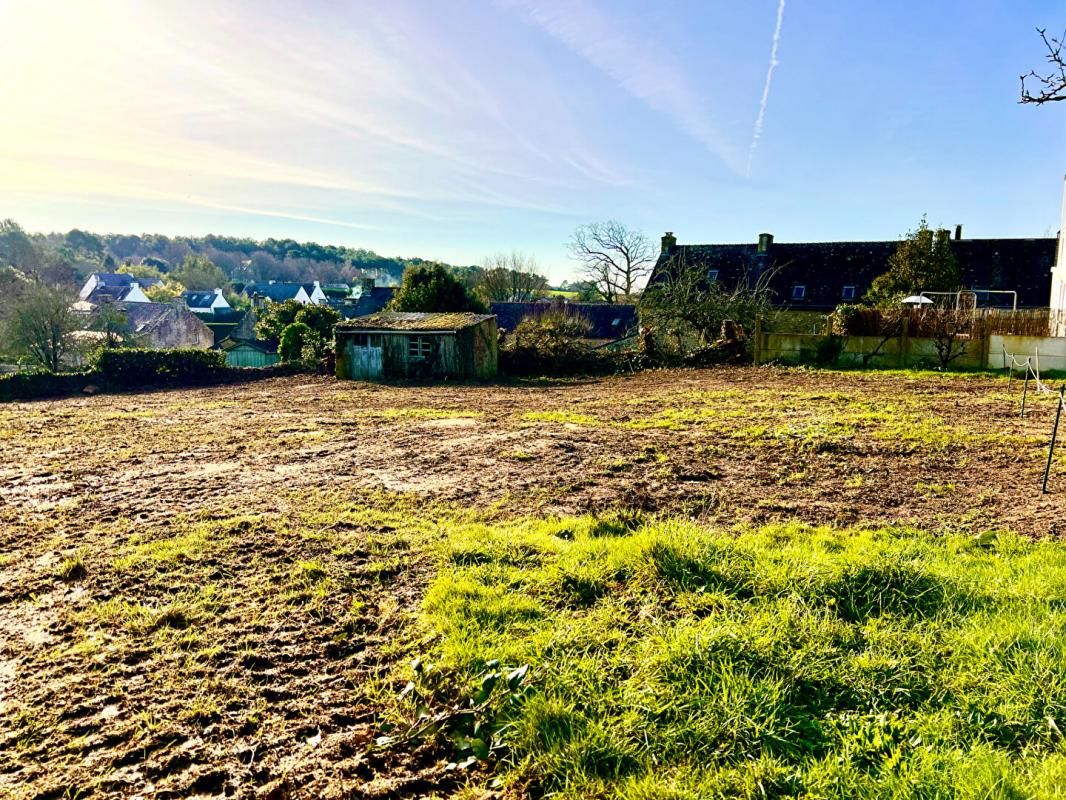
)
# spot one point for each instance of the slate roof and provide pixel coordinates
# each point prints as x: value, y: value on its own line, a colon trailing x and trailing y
x: 367, y: 303
x: 824, y: 269
x: 609, y: 321
x: 145, y: 317
x: 276, y: 292
x: 194, y: 299
x: 122, y: 279
x: 414, y: 321
x: 112, y: 287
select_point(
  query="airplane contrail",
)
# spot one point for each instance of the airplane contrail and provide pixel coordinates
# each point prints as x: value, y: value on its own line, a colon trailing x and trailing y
x: 757, y: 133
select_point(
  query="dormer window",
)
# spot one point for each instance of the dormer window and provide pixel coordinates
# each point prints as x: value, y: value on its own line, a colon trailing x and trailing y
x: 712, y: 275
x: 847, y: 293
x: 798, y: 291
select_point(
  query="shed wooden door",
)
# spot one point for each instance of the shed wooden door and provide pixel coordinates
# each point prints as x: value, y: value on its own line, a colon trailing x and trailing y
x: 364, y: 360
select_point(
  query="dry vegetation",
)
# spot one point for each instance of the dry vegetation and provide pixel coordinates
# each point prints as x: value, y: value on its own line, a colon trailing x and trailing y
x: 216, y: 592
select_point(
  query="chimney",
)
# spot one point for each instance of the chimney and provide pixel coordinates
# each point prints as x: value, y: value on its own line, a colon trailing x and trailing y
x: 958, y: 233
x: 669, y: 242
x: 765, y: 240
x: 218, y: 291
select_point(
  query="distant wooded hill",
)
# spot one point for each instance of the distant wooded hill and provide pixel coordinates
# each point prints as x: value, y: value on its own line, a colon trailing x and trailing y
x: 242, y: 260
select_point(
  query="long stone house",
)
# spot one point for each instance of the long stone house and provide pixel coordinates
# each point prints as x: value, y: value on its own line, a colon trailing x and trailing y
x: 819, y: 276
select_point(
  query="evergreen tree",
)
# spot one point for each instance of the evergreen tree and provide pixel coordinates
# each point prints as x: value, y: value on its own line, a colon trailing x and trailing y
x: 923, y: 262
x: 433, y: 289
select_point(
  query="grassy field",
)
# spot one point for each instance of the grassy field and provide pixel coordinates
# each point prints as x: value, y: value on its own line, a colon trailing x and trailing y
x: 751, y: 582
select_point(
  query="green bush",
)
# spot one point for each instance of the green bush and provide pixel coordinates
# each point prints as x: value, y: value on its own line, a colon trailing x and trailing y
x: 126, y: 368
x: 553, y: 343
x: 295, y: 340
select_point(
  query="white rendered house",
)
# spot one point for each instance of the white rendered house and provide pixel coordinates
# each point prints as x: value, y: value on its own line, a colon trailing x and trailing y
x: 1058, y: 278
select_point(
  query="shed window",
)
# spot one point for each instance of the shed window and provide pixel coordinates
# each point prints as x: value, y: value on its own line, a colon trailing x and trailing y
x: 712, y: 275
x: 419, y: 346
x: 798, y: 291
x: 366, y: 340
x: 848, y: 293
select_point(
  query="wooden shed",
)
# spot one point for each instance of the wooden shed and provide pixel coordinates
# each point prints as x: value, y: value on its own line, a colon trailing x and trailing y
x: 248, y: 353
x: 394, y: 344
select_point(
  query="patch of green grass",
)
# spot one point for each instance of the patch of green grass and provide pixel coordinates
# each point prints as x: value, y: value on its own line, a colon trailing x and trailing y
x: 672, y: 660
x: 423, y: 413
x: 561, y: 418
x: 72, y: 567
x: 934, y: 489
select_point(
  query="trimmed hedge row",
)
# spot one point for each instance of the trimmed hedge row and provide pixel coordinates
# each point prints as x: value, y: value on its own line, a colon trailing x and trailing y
x: 139, y: 369
x: 129, y: 368
x: 32, y: 385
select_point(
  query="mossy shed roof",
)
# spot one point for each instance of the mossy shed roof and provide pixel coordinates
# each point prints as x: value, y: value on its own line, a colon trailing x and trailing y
x: 413, y: 321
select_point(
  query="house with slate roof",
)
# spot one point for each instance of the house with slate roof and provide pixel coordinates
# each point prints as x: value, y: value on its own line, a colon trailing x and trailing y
x: 818, y: 276
x: 610, y: 321
x: 394, y: 344
x: 275, y: 292
x: 365, y: 299
x: 210, y: 302
x: 113, y: 287
x: 162, y: 326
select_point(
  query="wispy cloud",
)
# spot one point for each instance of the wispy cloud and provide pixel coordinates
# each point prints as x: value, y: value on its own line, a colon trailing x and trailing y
x: 647, y: 73
x: 756, y: 134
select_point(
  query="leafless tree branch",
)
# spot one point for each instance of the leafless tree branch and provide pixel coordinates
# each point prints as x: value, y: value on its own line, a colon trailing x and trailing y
x: 1052, y: 86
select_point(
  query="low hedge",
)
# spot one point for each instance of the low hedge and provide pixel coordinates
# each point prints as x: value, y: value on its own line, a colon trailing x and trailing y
x: 31, y: 385
x: 127, y: 368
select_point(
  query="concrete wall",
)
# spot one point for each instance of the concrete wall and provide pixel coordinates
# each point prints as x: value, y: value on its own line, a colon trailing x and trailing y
x: 1049, y: 352
x: 795, y: 348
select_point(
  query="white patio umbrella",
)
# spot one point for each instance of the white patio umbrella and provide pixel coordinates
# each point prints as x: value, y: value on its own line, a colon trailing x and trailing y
x: 916, y: 300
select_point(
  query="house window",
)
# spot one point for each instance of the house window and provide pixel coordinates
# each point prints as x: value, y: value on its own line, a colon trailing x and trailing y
x: 798, y: 291
x: 848, y: 293
x: 712, y: 275
x: 419, y: 346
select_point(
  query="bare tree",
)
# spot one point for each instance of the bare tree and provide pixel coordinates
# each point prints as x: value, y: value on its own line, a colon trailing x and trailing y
x: 613, y: 256
x: 510, y: 277
x: 1052, y: 86
x: 951, y: 330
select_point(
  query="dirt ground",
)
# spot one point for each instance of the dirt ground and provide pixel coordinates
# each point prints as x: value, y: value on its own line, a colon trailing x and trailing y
x: 179, y: 616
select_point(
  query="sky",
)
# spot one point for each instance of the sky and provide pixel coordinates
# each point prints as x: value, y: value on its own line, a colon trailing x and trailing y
x: 454, y: 129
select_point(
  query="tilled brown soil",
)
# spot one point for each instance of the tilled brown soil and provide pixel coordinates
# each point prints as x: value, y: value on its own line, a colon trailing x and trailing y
x: 248, y: 654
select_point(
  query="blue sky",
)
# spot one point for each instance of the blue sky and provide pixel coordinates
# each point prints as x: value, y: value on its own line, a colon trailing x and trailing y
x: 456, y: 129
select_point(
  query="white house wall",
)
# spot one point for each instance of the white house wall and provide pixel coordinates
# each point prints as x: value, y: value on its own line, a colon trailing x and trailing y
x: 1058, y: 278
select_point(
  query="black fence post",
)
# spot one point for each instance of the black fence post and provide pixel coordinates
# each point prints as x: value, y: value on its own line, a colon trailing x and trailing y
x: 1054, y: 435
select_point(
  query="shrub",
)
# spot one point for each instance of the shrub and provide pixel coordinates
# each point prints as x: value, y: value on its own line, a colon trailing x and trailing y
x: 828, y: 350
x: 552, y: 343
x: 320, y: 319
x: 295, y: 340
x: 133, y: 367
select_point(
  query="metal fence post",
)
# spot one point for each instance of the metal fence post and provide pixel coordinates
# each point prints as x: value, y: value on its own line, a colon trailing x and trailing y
x: 1054, y: 435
